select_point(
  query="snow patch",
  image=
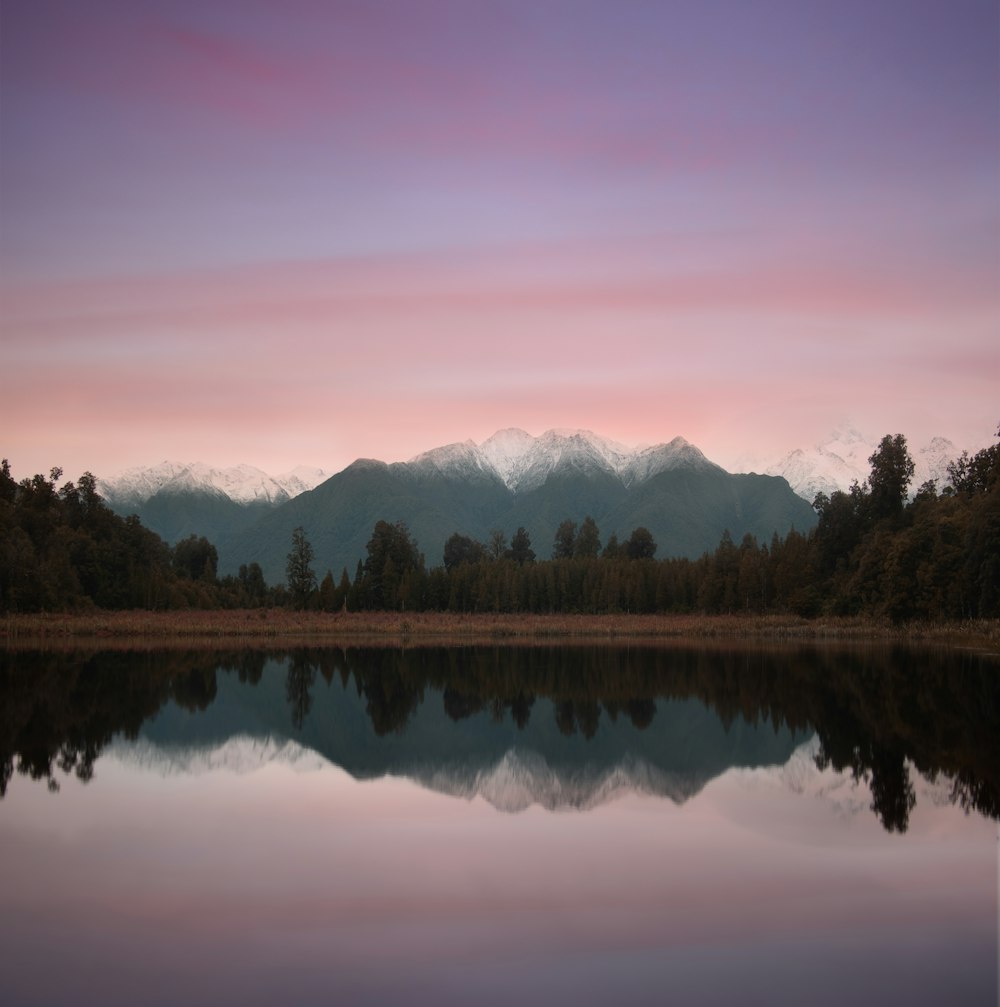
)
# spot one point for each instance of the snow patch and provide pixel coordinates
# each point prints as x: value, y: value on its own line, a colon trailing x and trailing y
x: 522, y: 462
x: 243, y: 484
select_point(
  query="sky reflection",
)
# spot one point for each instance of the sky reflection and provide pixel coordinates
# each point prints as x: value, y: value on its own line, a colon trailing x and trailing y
x: 311, y: 887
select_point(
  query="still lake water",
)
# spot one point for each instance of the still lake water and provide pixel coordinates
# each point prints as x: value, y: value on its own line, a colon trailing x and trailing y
x: 491, y: 825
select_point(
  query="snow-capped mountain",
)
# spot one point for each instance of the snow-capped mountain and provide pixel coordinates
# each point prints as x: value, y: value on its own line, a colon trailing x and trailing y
x: 515, y: 480
x: 242, y: 484
x: 522, y: 778
x: 523, y: 463
x: 842, y: 459
x: 240, y: 754
x: 510, y: 480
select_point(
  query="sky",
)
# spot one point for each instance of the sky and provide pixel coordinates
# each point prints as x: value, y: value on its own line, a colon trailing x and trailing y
x: 308, y: 231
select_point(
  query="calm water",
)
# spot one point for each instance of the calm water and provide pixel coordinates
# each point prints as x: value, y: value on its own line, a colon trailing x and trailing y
x: 487, y: 826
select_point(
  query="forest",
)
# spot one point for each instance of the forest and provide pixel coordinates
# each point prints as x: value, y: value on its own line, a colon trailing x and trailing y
x: 878, y: 550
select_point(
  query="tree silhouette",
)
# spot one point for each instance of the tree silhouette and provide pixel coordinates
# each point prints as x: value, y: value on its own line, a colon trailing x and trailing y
x: 520, y: 547
x: 890, y: 477
x: 588, y: 539
x: 298, y: 688
x: 299, y: 572
x: 641, y: 544
x: 565, y: 539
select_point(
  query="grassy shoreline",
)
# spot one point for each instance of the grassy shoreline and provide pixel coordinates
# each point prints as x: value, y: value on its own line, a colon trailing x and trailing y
x: 278, y: 626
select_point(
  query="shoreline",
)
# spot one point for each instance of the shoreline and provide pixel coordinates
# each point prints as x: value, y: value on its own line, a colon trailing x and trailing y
x: 264, y: 627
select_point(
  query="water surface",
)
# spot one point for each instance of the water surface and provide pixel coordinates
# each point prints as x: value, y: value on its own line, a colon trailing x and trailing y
x: 490, y: 825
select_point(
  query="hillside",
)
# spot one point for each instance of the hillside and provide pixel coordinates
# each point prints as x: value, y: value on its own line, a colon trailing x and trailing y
x: 515, y: 480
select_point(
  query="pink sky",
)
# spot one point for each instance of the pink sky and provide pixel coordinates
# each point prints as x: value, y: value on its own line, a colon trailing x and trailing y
x: 307, y: 232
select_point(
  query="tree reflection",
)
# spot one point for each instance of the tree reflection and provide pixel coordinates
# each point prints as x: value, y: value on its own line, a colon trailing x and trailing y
x: 877, y: 712
x: 888, y: 777
x: 61, y: 711
x: 298, y: 688
x: 520, y: 709
x: 641, y: 712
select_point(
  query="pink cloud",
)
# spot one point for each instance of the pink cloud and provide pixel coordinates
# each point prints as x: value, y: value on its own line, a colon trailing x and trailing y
x: 138, y: 58
x: 592, y: 282
x: 273, y: 363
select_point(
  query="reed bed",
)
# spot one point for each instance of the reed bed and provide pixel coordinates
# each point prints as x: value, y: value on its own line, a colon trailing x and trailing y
x: 259, y: 626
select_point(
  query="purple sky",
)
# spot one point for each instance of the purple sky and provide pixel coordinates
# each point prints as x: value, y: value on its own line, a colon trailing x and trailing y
x: 312, y: 230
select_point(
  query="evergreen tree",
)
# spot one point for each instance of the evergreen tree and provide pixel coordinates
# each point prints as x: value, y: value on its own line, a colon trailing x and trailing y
x: 565, y: 539
x: 196, y: 558
x: 299, y: 572
x: 891, y: 474
x: 977, y: 474
x: 327, y: 593
x: 641, y: 544
x: 462, y: 549
x: 588, y: 539
x: 251, y: 576
x: 343, y: 590
x: 392, y: 552
x: 520, y: 547
x: 496, y: 546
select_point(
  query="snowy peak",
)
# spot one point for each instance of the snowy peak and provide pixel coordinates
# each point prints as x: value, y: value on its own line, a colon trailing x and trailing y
x: 577, y: 451
x: 242, y: 484
x: 462, y: 459
x: 301, y: 479
x: 505, y: 451
x: 240, y: 754
x: 842, y: 459
x: 521, y: 779
x: 522, y: 462
x: 932, y: 460
x: 648, y: 462
x: 517, y: 459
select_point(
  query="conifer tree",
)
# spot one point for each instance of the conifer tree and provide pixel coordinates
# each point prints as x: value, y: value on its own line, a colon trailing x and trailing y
x: 299, y: 571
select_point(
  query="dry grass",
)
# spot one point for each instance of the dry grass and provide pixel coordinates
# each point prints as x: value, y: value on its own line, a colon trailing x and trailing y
x: 278, y: 626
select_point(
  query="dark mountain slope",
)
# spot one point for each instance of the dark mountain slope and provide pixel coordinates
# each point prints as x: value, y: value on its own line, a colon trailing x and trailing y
x: 686, y: 509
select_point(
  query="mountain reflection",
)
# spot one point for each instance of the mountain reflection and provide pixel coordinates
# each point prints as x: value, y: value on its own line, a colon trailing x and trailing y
x: 558, y: 726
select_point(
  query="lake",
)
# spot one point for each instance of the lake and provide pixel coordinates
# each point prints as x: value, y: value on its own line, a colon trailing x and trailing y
x: 588, y: 824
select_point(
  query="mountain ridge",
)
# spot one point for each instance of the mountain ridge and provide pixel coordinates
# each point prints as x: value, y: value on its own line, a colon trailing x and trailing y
x: 509, y: 480
x: 523, y: 462
x: 243, y: 484
x: 514, y: 480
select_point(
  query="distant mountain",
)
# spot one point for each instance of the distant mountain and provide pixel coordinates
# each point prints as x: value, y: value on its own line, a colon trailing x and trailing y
x: 177, y: 499
x: 840, y: 460
x: 513, y: 479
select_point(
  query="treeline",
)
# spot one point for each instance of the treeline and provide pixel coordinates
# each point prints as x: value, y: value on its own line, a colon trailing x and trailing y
x: 64, y: 549
x: 875, y: 552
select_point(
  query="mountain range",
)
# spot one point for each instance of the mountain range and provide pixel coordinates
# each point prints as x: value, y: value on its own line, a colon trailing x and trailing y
x: 512, y: 479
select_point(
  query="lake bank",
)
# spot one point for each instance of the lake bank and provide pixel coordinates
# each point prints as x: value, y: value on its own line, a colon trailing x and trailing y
x: 258, y: 627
